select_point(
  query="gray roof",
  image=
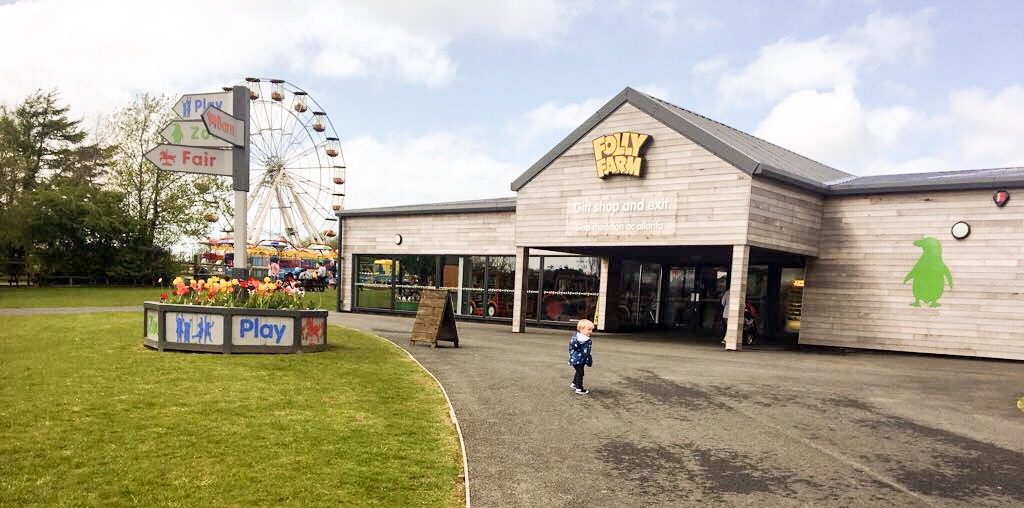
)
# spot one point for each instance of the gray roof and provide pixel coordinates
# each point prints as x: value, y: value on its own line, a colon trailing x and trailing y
x: 474, y: 206
x: 944, y: 180
x: 750, y: 154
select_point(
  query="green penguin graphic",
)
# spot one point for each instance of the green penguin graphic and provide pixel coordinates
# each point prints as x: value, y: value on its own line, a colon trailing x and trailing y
x: 929, y: 273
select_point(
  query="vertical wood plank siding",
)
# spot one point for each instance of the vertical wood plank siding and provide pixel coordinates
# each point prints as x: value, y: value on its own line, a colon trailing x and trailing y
x: 855, y: 295
x: 712, y: 195
x: 484, y: 233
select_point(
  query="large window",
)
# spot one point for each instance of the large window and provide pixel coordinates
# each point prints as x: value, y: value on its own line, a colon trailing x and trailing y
x: 413, y: 274
x: 373, y: 281
x: 532, y: 287
x: 473, y: 290
x: 501, y: 282
x: 569, y: 288
x: 480, y: 286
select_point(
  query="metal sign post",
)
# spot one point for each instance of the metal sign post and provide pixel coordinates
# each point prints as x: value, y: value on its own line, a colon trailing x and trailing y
x: 210, y: 123
x: 240, y: 182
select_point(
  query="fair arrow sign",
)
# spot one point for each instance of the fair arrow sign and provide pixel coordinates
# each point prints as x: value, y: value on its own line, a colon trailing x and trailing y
x: 191, y: 133
x: 190, y: 159
x: 192, y: 106
x: 224, y: 126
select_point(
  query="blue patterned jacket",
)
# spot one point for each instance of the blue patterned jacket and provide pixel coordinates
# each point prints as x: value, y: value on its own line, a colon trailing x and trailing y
x: 579, y: 352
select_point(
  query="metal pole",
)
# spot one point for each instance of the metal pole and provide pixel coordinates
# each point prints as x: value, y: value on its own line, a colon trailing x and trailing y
x: 240, y: 183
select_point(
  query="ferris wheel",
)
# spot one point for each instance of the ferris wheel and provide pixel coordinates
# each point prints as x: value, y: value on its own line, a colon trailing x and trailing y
x: 296, y: 166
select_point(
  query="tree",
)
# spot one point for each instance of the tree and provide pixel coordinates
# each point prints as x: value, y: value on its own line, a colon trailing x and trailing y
x: 38, y: 142
x: 165, y: 207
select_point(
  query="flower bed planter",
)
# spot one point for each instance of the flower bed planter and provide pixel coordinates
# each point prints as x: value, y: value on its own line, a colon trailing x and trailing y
x: 233, y: 329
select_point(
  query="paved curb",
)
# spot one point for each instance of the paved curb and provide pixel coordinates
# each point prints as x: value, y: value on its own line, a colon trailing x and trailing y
x: 35, y: 311
x: 451, y: 409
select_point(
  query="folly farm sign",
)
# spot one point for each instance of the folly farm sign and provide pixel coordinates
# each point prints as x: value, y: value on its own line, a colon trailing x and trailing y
x: 620, y: 153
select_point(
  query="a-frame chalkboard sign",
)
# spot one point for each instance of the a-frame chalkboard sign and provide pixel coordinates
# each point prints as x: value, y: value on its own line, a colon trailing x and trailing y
x: 435, y: 318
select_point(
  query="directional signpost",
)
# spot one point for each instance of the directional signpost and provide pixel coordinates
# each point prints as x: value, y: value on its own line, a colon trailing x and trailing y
x: 212, y: 138
x: 224, y: 126
x: 191, y: 107
x: 189, y: 159
x: 191, y: 133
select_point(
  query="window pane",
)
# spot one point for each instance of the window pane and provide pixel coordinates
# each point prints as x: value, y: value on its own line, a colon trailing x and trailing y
x: 473, y: 289
x: 532, y: 284
x: 450, y: 276
x: 373, y: 282
x: 501, y: 280
x: 414, y: 274
x: 571, y: 285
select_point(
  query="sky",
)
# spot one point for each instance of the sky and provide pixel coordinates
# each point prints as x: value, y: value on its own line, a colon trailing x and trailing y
x: 452, y: 100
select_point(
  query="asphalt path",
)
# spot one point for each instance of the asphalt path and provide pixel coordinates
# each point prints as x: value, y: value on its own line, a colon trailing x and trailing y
x: 671, y: 422
x: 677, y: 423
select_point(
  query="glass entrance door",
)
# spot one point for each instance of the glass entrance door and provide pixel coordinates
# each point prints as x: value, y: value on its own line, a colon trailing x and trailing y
x: 640, y: 290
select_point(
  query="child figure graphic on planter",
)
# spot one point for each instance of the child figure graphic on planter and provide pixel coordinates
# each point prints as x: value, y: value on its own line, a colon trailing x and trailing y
x: 580, y: 346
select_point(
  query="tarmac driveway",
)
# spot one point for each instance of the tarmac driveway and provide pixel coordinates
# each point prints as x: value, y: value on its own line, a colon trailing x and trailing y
x: 687, y: 424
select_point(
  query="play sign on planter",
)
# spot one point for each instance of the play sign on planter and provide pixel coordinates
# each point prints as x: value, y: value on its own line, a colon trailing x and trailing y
x: 190, y: 159
x: 191, y: 133
x: 224, y: 126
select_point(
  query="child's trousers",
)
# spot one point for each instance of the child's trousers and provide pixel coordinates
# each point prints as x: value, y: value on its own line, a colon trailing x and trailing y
x: 578, y: 378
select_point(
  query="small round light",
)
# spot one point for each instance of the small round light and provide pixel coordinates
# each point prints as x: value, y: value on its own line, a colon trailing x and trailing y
x: 960, y: 230
x: 398, y: 239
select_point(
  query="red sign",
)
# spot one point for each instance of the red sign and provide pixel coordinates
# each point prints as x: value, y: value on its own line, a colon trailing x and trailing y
x: 1001, y: 198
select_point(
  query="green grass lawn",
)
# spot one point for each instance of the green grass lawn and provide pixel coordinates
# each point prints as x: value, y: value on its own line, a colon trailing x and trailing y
x: 108, y: 297
x: 88, y: 416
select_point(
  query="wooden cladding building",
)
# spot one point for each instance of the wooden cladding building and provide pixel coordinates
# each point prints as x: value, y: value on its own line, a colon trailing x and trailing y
x: 717, y: 226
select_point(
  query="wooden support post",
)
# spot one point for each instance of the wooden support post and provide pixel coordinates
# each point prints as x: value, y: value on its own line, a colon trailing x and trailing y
x: 602, y: 296
x: 737, y: 297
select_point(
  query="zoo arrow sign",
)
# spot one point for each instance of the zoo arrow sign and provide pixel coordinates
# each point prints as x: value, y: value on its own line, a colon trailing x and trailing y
x: 190, y: 159
x: 192, y: 133
x: 224, y: 126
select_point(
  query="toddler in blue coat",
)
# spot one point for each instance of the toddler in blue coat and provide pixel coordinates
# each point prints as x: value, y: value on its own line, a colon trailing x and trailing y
x: 580, y: 347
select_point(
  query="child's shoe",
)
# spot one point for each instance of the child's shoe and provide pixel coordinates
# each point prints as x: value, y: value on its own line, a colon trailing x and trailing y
x: 581, y: 391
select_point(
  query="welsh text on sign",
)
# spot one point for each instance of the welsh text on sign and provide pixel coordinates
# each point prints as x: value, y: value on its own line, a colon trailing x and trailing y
x: 191, y: 133
x: 224, y: 126
x: 190, y: 159
x: 192, y: 106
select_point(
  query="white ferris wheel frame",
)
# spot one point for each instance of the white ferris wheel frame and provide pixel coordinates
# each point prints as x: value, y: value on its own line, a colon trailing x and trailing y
x: 282, y: 188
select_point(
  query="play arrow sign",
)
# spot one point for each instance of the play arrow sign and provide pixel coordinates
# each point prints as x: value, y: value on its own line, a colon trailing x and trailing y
x: 224, y: 126
x: 191, y: 133
x: 190, y: 107
x: 190, y: 159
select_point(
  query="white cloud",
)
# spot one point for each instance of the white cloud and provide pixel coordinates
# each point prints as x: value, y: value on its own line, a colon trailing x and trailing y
x: 988, y: 127
x: 661, y: 16
x: 664, y: 17
x: 655, y: 90
x: 553, y: 118
x: 432, y: 167
x: 978, y: 129
x: 100, y: 53
x: 712, y: 65
x: 827, y: 62
x: 827, y: 126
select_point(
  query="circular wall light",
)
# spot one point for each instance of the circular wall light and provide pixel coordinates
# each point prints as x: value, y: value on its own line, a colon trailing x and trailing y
x: 960, y: 230
x: 398, y: 239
